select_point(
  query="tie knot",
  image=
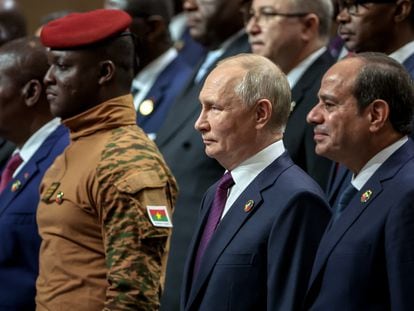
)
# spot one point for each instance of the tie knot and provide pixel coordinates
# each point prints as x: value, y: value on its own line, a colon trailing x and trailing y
x: 344, y: 199
x: 226, y: 181
x: 8, y: 171
x: 14, y: 162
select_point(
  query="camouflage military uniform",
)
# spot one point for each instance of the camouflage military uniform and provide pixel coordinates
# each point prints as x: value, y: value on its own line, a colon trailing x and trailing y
x: 100, y: 250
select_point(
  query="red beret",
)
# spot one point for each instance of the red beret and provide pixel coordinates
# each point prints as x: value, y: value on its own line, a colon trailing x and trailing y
x: 80, y: 29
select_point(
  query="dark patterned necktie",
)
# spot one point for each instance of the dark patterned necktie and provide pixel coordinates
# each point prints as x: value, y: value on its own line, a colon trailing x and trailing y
x: 344, y: 200
x: 214, y: 216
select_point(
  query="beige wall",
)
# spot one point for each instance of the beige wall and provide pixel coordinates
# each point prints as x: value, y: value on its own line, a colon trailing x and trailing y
x: 34, y: 10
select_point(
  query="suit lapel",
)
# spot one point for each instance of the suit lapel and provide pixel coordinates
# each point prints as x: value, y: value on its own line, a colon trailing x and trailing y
x: 409, y: 65
x: 29, y: 170
x: 313, y: 73
x: 233, y: 221
x: 359, y: 203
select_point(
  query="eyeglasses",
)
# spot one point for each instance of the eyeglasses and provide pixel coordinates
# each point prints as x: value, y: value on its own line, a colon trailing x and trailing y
x: 266, y: 14
x: 353, y: 7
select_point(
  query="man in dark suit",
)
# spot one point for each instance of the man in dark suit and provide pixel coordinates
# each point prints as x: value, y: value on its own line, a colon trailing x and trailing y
x: 162, y: 72
x: 27, y: 122
x: 374, y: 26
x: 294, y: 35
x: 365, y: 260
x: 258, y: 251
x: 12, y: 26
x: 217, y: 25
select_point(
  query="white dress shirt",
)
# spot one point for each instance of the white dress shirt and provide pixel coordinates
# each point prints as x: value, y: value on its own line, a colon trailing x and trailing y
x: 375, y: 163
x: 247, y: 171
x: 34, y: 142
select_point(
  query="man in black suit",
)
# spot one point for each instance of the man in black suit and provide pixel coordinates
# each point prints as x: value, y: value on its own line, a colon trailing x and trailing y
x: 294, y: 35
x: 217, y: 25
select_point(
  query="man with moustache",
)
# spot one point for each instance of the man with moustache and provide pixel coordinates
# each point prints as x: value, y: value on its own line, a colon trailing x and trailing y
x: 365, y: 258
x: 385, y: 26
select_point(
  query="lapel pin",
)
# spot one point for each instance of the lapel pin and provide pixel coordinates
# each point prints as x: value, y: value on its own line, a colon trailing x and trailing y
x: 16, y: 185
x: 50, y: 191
x: 292, y: 106
x: 146, y: 107
x: 248, y: 206
x: 366, y: 196
x: 59, y: 197
x: 26, y: 175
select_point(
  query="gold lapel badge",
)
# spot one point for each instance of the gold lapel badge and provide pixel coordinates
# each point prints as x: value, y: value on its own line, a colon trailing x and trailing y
x: 16, y: 185
x: 146, y: 107
x: 366, y: 196
x: 248, y: 206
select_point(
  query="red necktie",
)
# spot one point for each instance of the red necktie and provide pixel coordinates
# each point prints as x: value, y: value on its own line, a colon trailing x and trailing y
x: 214, y: 216
x: 9, y: 169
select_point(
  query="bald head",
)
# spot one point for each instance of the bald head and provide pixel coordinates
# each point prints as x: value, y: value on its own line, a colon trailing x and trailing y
x: 28, y: 56
x: 23, y: 64
x: 12, y: 22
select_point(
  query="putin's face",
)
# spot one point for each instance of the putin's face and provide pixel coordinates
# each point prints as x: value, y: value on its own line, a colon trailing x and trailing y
x: 226, y: 124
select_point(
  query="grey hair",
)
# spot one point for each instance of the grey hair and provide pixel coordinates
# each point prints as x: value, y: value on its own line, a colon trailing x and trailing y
x: 263, y: 80
x: 322, y: 8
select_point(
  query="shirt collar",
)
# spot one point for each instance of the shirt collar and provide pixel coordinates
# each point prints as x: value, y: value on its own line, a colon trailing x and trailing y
x: 374, y: 164
x: 257, y: 163
x: 296, y: 73
x: 35, y: 141
x: 403, y: 53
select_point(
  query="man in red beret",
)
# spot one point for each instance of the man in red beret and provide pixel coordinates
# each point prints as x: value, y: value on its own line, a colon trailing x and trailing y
x: 105, y: 210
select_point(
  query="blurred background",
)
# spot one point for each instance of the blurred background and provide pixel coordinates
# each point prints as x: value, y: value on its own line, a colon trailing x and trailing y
x: 34, y: 11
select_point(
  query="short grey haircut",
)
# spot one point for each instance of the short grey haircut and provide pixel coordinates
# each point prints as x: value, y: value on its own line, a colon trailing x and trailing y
x: 323, y: 8
x: 263, y: 80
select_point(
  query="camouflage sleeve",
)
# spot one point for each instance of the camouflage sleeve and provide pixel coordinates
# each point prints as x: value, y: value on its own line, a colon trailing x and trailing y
x: 135, y: 248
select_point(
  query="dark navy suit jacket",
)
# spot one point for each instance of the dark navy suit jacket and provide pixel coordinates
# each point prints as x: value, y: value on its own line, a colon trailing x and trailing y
x: 166, y: 88
x: 20, y: 241
x: 261, y: 259
x: 365, y: 261
x: 340, y: 176
x: 183, y: 150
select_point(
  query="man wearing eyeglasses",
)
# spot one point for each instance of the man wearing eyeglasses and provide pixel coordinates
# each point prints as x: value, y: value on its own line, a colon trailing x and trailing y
x: 294, y: 35
x: 385, y: 26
